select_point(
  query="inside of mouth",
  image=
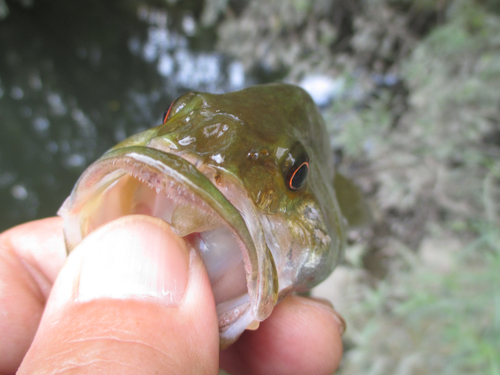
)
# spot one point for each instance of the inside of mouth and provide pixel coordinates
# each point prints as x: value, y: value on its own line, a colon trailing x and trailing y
x: 191, y: 219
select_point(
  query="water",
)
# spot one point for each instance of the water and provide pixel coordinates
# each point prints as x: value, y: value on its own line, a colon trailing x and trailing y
x: 77, y: 77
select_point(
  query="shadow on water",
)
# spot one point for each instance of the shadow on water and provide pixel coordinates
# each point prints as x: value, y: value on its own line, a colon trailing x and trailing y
x: 77, y: 77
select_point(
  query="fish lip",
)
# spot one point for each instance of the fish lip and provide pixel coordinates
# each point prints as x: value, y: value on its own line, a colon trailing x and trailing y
x: 159, y: 168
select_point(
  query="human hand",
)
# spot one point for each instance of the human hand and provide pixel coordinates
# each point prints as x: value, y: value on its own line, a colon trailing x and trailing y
x: 131, y: 298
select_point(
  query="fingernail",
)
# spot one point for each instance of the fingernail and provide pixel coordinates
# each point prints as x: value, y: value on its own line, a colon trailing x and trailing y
x: 136, y: 257
x: 324, y: 303
x: 341, y: 321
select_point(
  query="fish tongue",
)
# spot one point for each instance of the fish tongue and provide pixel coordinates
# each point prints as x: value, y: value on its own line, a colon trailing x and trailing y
x: 190, y: 219
x: 224, y: 263
x: 219, y: 250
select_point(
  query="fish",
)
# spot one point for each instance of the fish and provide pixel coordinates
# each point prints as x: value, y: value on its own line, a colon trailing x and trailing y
x: 246, y: 178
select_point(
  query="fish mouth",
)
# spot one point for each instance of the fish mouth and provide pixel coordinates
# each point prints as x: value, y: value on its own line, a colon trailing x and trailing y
x: 142, y: 180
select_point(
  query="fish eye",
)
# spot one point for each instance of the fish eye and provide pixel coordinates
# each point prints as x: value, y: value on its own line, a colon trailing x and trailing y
x: 177, y: 105
x: 167, y: 112
x: 298, y: 176
x: 296, y: 167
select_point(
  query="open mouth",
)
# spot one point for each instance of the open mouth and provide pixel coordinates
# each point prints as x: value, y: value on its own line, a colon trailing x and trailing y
x: 141, y: 180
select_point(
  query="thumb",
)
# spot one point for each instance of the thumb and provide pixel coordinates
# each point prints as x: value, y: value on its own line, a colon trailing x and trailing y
x: 132, y: 298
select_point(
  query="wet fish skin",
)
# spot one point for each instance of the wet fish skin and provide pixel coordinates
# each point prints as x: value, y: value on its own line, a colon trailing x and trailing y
x: 259, y: 162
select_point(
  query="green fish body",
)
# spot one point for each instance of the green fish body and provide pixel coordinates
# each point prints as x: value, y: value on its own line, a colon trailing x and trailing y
x: 245, y: 177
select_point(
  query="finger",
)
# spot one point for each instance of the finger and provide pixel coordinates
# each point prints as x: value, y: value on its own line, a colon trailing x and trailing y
x: 132, y: 298
x: 31, y: 256
x: 302, y: 336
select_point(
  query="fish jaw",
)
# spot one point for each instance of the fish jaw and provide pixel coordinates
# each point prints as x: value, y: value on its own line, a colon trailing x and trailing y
x: 142, y: 180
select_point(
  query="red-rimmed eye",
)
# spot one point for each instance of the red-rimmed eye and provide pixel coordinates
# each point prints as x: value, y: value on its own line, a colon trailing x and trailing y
x: 167, y: 112
x: 298, y: 176
x: 295, y: 167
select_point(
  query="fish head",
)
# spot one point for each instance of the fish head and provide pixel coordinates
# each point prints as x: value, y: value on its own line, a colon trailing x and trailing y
x: 245, y: 178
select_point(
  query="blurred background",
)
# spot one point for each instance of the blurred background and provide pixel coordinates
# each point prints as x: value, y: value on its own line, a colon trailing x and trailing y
x: 410, y: 91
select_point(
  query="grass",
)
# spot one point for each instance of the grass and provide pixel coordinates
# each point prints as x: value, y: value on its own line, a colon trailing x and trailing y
x: 428, y: 316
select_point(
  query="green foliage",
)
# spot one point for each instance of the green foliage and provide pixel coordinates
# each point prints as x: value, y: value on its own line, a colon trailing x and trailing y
x: 426, y: 320
x: 283, y: 35
x: 453, y: 80
x: 437, y: 311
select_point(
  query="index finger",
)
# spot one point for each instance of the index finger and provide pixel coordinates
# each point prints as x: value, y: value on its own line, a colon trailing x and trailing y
x: 302, y: 336
x: 31, y: 256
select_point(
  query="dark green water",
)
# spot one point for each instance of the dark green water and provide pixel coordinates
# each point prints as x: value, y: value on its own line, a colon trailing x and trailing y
x: 76, y: 77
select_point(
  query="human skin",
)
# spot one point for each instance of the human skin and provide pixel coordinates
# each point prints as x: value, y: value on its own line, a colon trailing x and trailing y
x: 62, y: 314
